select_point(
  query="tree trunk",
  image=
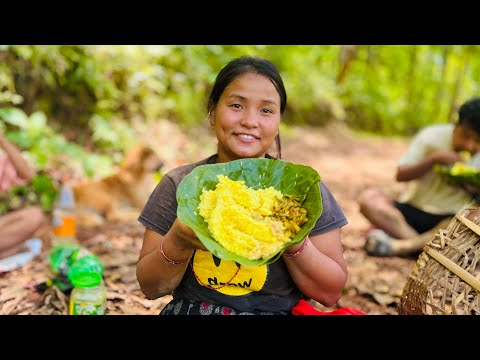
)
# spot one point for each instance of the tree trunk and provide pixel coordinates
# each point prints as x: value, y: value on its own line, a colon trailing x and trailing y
x: 347, y: 54
x: 411, y: 73
x: 457, y: 88
x: 438, y: 99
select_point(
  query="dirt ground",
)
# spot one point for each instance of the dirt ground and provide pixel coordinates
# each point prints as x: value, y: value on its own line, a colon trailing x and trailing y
x: 346, y: 163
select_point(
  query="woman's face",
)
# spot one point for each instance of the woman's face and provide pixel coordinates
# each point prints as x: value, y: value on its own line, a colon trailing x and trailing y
x: 246, y: 118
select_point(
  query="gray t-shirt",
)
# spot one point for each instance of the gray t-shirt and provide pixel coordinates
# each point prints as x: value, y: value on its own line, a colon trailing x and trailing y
x: 259, y: 289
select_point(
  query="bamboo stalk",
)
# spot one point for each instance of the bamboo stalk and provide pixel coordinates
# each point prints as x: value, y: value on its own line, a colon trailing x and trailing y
x: 470, y: 224
x: 456, y: 269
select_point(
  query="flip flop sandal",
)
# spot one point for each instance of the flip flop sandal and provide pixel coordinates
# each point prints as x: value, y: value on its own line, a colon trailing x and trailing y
x: 378, y: 243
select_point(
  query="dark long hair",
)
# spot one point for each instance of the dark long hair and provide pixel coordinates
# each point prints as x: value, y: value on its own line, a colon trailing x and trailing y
x: 243, y: 65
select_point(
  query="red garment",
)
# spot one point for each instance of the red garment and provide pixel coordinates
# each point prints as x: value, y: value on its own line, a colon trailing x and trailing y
x: 305, y: 308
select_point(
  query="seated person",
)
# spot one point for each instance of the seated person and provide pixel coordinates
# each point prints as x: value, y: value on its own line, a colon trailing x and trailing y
x: 16, y: 226
x: 405, y: 225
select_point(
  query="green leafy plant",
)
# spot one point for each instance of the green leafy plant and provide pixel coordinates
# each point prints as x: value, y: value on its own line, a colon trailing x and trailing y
x: 47, y: 148
x: 290, y: 179
x: 40, y: 191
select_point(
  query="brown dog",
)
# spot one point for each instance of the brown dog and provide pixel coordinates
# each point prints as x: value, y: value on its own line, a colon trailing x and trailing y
x: 122, y: 195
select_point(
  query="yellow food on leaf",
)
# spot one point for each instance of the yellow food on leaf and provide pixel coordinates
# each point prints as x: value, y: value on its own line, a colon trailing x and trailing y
x: 247, y: 221
x: 460, y: 168
x: 465, y: 155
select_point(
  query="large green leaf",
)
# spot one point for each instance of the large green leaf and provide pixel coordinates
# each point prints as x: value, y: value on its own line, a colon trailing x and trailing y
x: 14, y: 116
x: 471, y: 177
x: 286, y: 177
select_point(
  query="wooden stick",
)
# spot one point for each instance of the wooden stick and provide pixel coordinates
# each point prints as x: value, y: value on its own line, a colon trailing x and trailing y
x: 456, y: 269
x: 470, y: 224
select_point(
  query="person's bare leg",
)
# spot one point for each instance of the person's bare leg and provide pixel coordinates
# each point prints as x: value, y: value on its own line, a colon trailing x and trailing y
x: 381, y: 212
x: 415, y: 244
x: 18, y: 226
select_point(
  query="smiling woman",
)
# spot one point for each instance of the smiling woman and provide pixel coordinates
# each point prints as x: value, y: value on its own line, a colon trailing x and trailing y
x: 250, y: 116
x: 245, y: 107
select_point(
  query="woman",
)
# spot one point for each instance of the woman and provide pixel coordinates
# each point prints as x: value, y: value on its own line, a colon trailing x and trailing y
x: 17, y: 226
x: 245, y: 107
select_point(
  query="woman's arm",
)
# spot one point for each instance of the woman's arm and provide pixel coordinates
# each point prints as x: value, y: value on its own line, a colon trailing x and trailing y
x: 23, y: 169
x: 160, y: 273
x: 320, y: 270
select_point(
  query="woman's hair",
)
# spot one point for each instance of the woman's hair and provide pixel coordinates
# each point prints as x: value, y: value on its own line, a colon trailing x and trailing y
x: 469, y: 114
x: 243, y: 65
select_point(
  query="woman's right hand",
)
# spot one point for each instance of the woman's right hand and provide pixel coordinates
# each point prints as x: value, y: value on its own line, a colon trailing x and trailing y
x: 186, y: 237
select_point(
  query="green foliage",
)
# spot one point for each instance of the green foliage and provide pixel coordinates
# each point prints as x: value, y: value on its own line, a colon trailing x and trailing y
x: 398, y: 89
x: 94, y: 95
x: 40, y: 191
x: 112, y: 134
x: 45, y: 190
x: 47, y: 149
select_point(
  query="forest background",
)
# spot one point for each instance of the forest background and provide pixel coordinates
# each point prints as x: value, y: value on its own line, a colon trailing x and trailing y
x: 88, y: 103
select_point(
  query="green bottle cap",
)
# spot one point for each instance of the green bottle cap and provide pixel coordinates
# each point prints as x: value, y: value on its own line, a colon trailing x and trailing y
x: 86, y: 279
x: 86, y: 264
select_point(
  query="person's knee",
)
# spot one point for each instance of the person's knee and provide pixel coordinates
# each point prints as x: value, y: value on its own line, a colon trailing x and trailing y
x: 366, y: 199
x: 35, y: 216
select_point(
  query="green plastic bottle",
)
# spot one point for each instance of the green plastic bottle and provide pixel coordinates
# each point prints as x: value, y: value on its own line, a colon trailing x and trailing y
x: 89, y: 295
x: 68, y: 261
x: 62, y: 256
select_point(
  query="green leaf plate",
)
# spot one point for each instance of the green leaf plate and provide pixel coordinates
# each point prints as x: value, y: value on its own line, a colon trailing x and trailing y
x: 258, y: 173
x: 472, y: 178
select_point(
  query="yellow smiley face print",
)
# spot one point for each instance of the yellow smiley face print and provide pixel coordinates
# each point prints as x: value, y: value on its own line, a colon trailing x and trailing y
x: 227, y: 277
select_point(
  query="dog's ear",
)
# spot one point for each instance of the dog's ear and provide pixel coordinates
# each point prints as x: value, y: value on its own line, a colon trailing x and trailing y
x: 146, y: 152
x: 140, y: 160
x: 133, y: 162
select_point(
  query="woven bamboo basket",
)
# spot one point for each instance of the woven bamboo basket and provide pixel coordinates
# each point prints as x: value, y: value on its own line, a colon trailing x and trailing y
x: 446, y: 277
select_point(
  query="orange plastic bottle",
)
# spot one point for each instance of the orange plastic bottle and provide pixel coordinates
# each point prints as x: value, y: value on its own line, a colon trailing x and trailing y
x: 64, y: 217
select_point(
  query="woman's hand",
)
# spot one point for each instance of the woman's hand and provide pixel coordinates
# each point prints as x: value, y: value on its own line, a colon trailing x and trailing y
x: 164, y: 259
x: 185, y: 237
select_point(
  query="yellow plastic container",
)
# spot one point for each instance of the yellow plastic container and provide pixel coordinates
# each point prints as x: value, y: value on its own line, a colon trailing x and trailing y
x: 89, y: 295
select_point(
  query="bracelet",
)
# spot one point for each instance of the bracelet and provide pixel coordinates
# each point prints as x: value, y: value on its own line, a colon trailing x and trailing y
x: 170, y: 261
x: 300, y: 249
